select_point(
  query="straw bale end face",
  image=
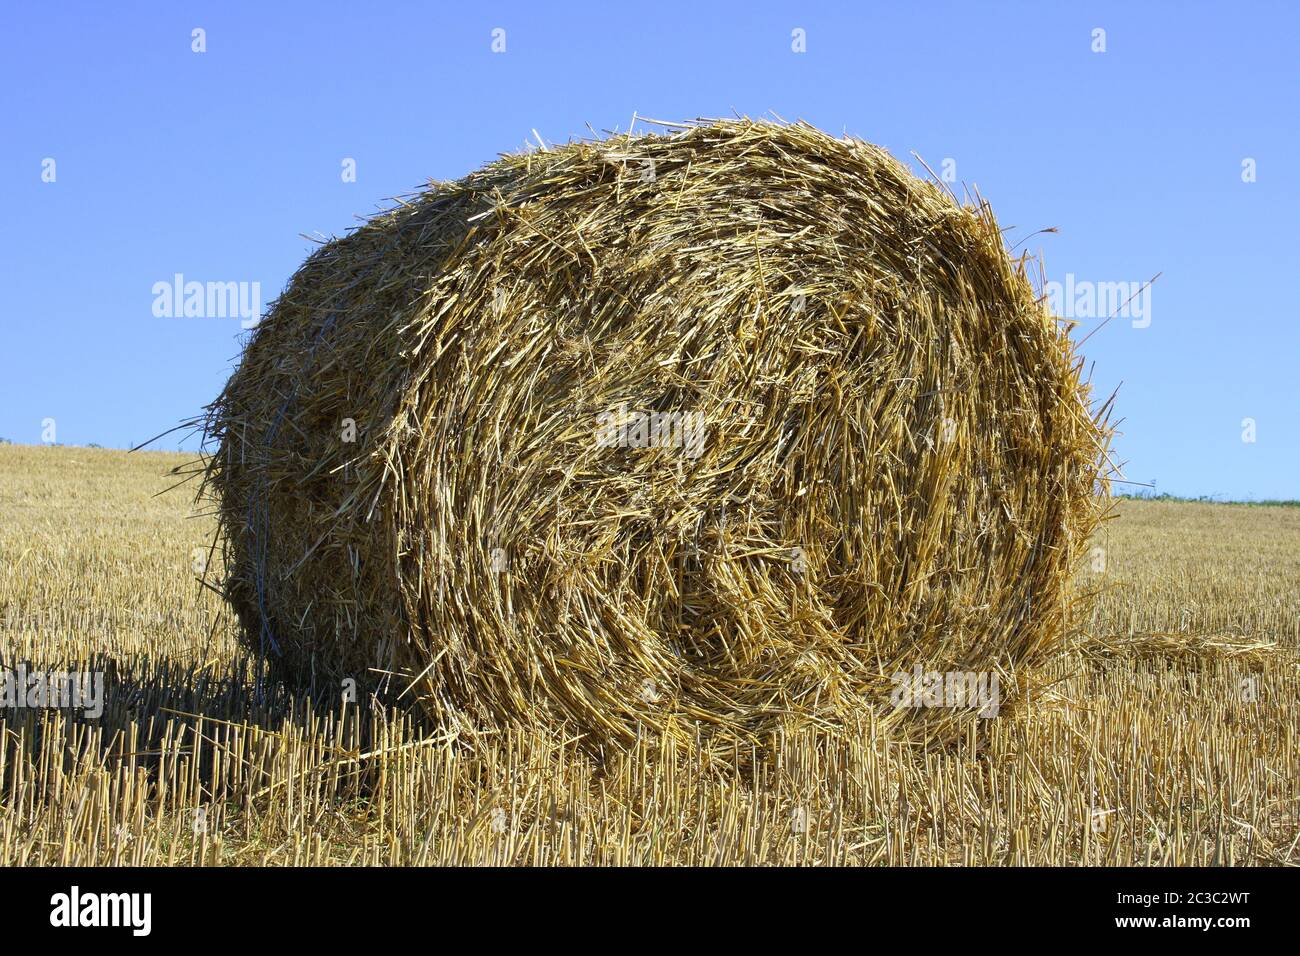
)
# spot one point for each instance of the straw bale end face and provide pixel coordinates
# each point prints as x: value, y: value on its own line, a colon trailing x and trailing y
x: 687, y: 434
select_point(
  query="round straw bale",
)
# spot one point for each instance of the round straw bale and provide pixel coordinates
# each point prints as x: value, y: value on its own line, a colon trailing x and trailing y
x: 686, y: 434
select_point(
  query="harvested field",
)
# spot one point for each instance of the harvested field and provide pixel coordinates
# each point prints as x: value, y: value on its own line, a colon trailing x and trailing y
x: 1149, y: 749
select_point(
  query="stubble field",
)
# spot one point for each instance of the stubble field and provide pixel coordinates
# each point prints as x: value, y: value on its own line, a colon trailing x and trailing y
x: 1170, y: 733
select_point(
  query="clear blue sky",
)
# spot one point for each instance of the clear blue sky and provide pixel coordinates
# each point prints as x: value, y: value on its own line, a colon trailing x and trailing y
x: 212, y: 165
